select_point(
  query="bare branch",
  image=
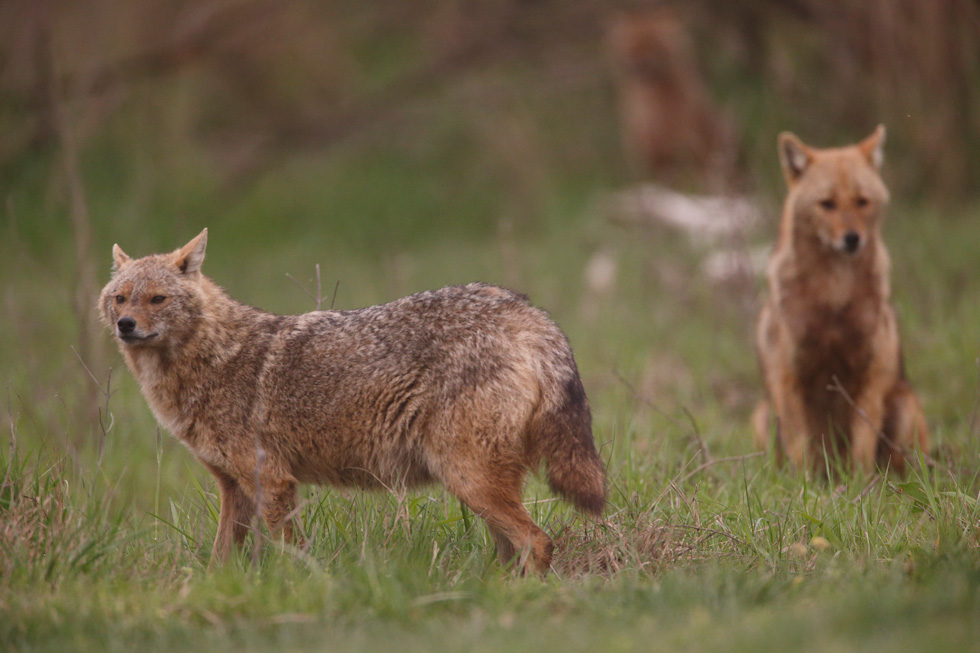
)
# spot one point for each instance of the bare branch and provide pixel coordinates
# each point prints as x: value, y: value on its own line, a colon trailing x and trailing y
x: 716, y: 461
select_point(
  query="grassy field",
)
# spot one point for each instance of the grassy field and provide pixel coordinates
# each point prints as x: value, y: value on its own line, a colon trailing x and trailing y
x: 106, y: 527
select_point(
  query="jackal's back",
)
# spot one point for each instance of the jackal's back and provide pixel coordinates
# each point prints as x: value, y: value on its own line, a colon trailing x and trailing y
x: 369, y: 396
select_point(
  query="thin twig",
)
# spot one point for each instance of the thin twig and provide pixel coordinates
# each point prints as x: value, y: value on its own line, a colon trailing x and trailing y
x: 867, y: 488
x: 13, y: 440
x: 301, y: 286
x: 680, y: 493
x: 697, y: 434
x: 701, y: 529
x: 690, y: 547
x: 84, y: 366
x: 318, y: 298
x: 319, y: 294
x: 662, y: 413
x: 104, y: 414
x: 715, y: 461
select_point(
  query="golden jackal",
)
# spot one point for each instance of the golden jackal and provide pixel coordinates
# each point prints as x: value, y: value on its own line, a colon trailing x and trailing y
x: 827, y: 337
x: 470, y: 386
x: 669, y: 124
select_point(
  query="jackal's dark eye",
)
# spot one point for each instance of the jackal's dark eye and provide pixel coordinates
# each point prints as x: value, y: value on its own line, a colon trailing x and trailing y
x: 120, y: 299
x: 157, y: 299
x: 828, y: 204
x: 861, y: 202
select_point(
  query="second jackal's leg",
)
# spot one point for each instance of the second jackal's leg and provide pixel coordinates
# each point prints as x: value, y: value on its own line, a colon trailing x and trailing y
x: 764, y: 435
x: 235, y: 514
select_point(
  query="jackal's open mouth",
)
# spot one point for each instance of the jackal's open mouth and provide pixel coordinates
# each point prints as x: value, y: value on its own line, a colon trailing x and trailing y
x: 132, y: 339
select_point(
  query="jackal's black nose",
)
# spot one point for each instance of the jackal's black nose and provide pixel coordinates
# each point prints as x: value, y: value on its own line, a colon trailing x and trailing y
x: 126, y: 325
x: 852, y: 240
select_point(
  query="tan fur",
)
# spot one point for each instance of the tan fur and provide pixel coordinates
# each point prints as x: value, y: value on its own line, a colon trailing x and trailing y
x: 669, y: 124
x: 829, y: 321
x: 470, y: 386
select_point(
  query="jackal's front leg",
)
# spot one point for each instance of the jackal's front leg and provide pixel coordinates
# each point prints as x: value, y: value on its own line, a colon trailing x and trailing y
x: 866, y: 424
x: 236, y: 513
x: 786, y: 402
x: 791, y: 423
x: 868, y: 415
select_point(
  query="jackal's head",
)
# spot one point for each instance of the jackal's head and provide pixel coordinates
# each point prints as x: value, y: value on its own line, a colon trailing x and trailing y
x: 836, y: 196
x: 652, y: 46
x: 156, y: 300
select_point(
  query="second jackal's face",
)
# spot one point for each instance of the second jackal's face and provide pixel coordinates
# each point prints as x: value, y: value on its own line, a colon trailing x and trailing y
x: 155, y: 300
x: 836, y: 196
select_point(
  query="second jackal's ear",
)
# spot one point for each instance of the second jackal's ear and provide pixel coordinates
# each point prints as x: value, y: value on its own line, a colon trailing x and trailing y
x: 189, y: 258
x: 794, y: 156
x: 873, y: 147
x: 119, y: 258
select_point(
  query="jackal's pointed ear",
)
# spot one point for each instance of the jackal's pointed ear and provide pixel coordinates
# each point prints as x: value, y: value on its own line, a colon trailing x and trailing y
x: 873, y: 147
x: 189, y: 258
x: 119, y: 258
x: 794, y: 156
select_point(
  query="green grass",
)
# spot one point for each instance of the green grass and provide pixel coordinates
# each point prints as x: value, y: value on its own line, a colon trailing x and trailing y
x: 740, y: 556
x: 105, y: 534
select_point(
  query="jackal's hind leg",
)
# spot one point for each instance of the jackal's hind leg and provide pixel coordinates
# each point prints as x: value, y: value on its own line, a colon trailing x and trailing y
x: 495, y: 495
x: 278, y: 503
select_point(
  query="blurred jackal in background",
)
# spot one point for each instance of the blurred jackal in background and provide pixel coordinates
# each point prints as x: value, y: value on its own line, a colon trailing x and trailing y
x: 670, y: 127
x: 827, y: 337
x: 470, y: 386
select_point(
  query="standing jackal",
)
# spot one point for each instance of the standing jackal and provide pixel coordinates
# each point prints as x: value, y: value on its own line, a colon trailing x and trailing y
x: 470, y: 386
x: 827, y: 337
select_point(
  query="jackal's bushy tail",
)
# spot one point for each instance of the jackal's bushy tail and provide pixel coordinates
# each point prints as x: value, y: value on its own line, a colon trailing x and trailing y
x: 562, y: 434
